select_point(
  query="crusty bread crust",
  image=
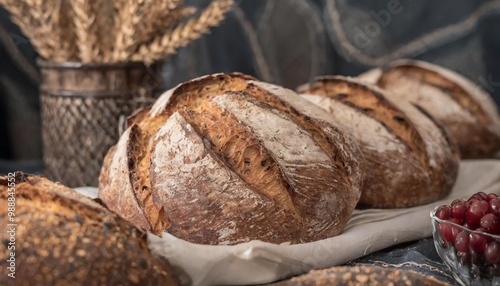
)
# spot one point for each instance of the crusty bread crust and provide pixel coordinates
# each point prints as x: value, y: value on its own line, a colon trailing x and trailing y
x: 458, y: 104
x: 206, y: 202
x: 226, y: 161
x: 408, y: 159
x: 360, y: 276
x: 64, y: 238
x: 119, y: 195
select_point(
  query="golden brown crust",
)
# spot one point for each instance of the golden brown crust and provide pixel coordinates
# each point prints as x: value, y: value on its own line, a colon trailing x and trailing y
x: 136, y: 153
x: 119, y: 195
x: 451, y: 100
x: 360, y: 276
x: 373, y: 104
x: 63, y: 238
x: 316, y: 127
x: 206, y: 202
x: 126, y: 195
x: 243, y: 153
x: 399, y: 143
x: 293, y: 183
x: 138, y: 116
x: 336, y: 142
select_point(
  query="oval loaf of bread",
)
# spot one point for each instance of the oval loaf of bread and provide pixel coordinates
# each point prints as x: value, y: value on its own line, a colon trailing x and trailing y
x: 457, y: 103
x: 225, y: 159
x: 409, y: 160
x: 64, y: 238
x: 360, y: 276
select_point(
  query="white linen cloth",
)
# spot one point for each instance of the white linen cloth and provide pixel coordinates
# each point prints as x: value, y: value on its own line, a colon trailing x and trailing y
x: 367, y: 231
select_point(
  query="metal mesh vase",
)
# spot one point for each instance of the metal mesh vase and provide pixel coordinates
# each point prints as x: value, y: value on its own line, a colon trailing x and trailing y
x: 81, y: 105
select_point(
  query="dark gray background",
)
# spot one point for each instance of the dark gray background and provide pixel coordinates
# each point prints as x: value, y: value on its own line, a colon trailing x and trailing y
x: 288, y: 43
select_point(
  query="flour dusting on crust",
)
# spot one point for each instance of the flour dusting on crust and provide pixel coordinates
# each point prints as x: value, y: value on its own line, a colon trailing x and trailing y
x: 204, y: 198
x: 477, y: 93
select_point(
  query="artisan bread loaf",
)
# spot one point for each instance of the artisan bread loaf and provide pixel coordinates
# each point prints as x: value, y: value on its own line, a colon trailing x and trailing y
x: 64, y: 238
x: 457, y: 103
x: 409, y: 160
x: 225, y: 159
x: 361, y: 276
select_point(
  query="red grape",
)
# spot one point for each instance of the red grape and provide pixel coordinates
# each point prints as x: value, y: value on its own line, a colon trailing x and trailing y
x: 481, y: 215
x: 479, y: 196
x: 491, y: 196
x: 490, y: 223
x: 448, y: 231
x: 470, y: 226
x: 492, y: 252
x: 458, y: 211
x: 494, y: 206
x: 478, y: 242
x: 462, y: 241
x: 476, y: 211
x: 444, y: 212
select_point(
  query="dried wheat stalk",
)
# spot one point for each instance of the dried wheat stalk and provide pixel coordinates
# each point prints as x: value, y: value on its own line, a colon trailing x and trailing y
x: 17, y: 9
x: 164, y: 45
x: 105, y: 22
x: 139, y: 22
x: 41, y: 22
x: 141, y: 30
x: 165, y: 22
x: 127, y: 19
x: 87, y: 30
x: 68, y: 35
x: 45, y: 24
x: 170, y: 13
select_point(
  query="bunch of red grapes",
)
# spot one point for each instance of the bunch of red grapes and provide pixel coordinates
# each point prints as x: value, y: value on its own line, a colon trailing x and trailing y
x: 480, y: 213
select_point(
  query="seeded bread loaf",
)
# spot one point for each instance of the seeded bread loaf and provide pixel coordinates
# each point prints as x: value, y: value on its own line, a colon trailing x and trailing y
x: 409, y: 160
x: 225, y: 159
x: 457, y: 103
x: 63, y: 238
x: 360, y: 276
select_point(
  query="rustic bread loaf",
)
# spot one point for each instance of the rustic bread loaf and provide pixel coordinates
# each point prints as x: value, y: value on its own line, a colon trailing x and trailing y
x: 360, y: 276
x: 225, y: 159
x: 409, y: 160
x: 457, y: 103
x: 64, y: 238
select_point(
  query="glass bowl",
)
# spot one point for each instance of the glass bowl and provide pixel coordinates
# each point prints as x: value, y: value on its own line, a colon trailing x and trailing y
x: 472, y: 264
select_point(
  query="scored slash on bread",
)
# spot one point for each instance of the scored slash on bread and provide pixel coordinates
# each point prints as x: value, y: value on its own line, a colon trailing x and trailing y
x: 457, y: 103
x: 225, y: 159
x: 409, y: 160
x: 205, y: 200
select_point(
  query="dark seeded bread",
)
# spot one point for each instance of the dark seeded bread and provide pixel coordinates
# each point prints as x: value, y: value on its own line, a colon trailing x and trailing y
x: 409, y: 160
x: 224, y: 159
x: 360, y: 276
x: 64, y: 238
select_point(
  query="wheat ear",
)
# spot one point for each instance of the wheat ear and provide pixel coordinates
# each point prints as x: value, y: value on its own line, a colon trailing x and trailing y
x: 41, y: 23
x: 87, y: 30
x: 162, y: 46
x: 67, y: 31
x: 18, y: 10
x: 106, y: 17
x: 166, y: 21
x: 159, y: 20
x: 138, y: 21
x: 128, y: 16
